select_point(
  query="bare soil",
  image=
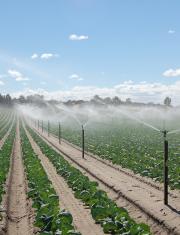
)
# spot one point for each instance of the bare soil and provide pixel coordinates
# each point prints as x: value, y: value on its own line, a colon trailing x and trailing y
x: 143, y: 201
x: 18, y: 210
x: 82, y: 219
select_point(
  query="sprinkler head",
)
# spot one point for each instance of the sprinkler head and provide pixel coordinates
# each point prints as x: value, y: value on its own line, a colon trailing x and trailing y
x: 165, y: 132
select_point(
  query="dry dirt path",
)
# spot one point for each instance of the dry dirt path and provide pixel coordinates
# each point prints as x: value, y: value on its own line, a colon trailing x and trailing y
x: 82, y: 219
x: 17, y: 204
x: 144, y: 196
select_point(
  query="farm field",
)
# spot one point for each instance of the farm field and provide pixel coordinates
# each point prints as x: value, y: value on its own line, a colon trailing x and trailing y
x: 32, y: 202
x: 47, y: 188
x: 89, y: 117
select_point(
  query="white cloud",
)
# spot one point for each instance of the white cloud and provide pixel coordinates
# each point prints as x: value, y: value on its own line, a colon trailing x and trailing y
x: 14, y: 73
x: 140, y: 92
x: 171, y: 31
x: 172, y: 73
x: 75, y: 77
x: 44, y: 56
x: 47, y: 56
x: 75, y: 37
x: 1, y: 83
x: 17, y: 75
x: 34, y: 56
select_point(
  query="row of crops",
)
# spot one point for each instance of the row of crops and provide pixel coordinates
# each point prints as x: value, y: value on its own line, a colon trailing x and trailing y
x: 130, y: 145
x: 5, y: 155
x: 48, y: 217
x: 7, y: 120
x: 104, y: 211
x: 5, y: 123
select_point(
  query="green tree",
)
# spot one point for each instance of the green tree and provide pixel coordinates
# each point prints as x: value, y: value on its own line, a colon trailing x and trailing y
x: 167, y: 101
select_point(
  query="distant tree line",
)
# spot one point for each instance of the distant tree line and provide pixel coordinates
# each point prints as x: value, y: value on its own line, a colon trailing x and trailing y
x: 39, y: 101
x: 6, y: 100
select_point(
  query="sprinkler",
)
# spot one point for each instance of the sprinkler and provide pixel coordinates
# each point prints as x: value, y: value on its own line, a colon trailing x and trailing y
x: 59, y: 133
x: 48, y: 128
x: 82, y: 141
x: 165, y: 132
x: 42, y: 126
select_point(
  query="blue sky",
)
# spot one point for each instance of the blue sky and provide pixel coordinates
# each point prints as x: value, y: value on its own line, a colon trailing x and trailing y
x: 113, y: 47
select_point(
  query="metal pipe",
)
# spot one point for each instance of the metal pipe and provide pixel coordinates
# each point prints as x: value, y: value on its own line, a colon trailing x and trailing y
x: 42, y: 126
x: 59, y: 133
x: 165, y: 173
x: 82, y: 142
x: 48, y: 128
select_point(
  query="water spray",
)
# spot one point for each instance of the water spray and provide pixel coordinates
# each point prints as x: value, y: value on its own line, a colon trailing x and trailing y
x: 174, y: 131
x: 38, y: 124
x: 82, y: 141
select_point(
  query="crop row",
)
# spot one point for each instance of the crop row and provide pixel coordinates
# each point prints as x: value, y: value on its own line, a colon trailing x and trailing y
x: 113, y: 219
x: 6, y: 126
x: 6, y: 120
x: 48, y: 217
x: 5, y: 154
x: 4, y: 114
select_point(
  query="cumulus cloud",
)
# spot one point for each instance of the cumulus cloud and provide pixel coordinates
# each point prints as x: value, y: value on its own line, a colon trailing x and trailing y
x: 75, y: 77
x: 75, y: 37
x: 1, y: 83
x: 17, y: 75
x: 34, y: 56
x: 172, y: 73
x: 44, y: 56
x: 140, y: 92
x: 171, y: 31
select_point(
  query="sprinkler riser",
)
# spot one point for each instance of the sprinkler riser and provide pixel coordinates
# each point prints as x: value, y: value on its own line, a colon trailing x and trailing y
x: 166, y: 172
x: 48, y: 128
x: 42, y: 126
x: 59, y: 133
x: 82, y: 142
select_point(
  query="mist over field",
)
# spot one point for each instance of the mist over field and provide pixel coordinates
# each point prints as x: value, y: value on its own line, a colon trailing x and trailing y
x: 156, y: 118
